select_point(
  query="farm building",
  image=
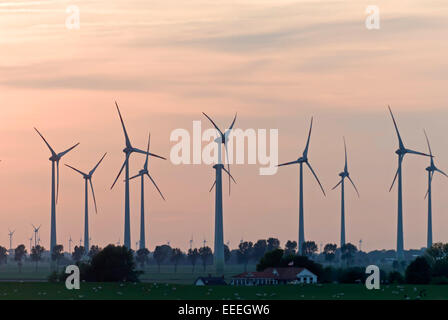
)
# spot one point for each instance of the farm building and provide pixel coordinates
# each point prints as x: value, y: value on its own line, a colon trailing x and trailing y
x: 274, y: 276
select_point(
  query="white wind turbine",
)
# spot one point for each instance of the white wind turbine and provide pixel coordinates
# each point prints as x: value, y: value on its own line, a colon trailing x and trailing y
x: 10, y: 234
x: 144, y: 172
x: 344, y: 174
x: 55, y: 159
x: 431, y: 170
x: 303, y: 160
x: 401, y: 152
x: 36, y: 234
x: 128, y: 150
x: 88, y: 180
x: 222, y: 139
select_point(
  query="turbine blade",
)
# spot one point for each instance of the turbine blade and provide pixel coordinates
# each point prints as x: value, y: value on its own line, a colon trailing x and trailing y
x: 416, y: 152
x: 315, y: 176
x: 427, y: 141
x: 230, y: 176
x: 346, y: 164
x: 148, y: 153
x: 128, y: 142
x: 353, y: 184
x: 80, y: 172
x: 233, y: 122
x: 121, y: 170
x: 214, y: 183
x: 94, y: 169
x: 136, y: 176
x: 228, y: 165
x: 305, y: 152
x: 214, y: 124
x: 60, y: 155
x: 429, y: 183
x: 396, y: 129
x: 393, y: 182
x: 288, y: 163
x: 337, y: 184
x: 48, y: 145
x: 93, y: 194
x: 441, y: 172
x: 152, y: 180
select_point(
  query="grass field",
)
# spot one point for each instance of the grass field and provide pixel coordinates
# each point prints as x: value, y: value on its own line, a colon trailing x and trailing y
x: 146, y: 291
x: 184, y: 274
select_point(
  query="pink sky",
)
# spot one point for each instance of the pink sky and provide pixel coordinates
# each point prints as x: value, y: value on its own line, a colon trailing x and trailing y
x: 274, y: 62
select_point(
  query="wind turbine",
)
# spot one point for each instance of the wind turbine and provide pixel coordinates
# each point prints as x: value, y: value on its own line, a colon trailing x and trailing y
x: 36, y: 233
x: 88, y: 180
x: 55, y: 158
x: 219, y: 167
x: 401, y: 152
x: 144, y: 172
x: 70, y: 241
x: 10, y: 234
x: 431, y: 170
x: 344, y: 174
x: 31, y: 243
x: 128, y: 150
x: 303, y: 160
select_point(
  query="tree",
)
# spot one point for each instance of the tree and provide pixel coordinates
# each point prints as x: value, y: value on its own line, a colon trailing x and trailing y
x: 260, y: 248
x: 227, y: 253
x: 57, y: 253
x: 19, y: 253
x: 437, y: 251
x: 290, y: 247
x: 36, y: 254
x: 78, y: 253
x: 193, y: 256
x: 142, y: 256
x: 112, y: 264
x: 205, y: 253
x: 418, y: 272
x: 176, y: 256
x: 309, y: 248
x: 244, y: 253
x: 396, y: 277
x: 330, y: 252
x: 161, y: 253
x: 3, y: 255
x: 273, y: 244
x: 270, y: 259
x: 93, y: 251
x: 348, y: 251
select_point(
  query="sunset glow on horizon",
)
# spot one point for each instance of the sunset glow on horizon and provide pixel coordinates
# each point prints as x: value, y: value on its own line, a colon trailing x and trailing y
x: 275, y: 63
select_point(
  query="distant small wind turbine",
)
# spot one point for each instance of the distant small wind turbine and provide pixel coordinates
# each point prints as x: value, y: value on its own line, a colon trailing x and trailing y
x: 10, y: 234
x: 87, y: 180
x: 55, y: 159
x: 128, y: 151
x: 144, y: 172
x: 36, y: 234
x: 344, y: 174
x: 219, y: 167
x: 431, y: 170
x: 303, y: 160
x: 70, y: 241
x: 401, y: 152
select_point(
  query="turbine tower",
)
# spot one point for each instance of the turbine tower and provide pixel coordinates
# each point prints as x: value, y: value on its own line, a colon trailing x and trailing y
x: 36, y: 234
x: 70, y: 241
x: 144, y: 172
x: 128, y: 151
x: 222, y: 139
x: 31, y: 242
x: 401, y: 152
x: 344, y: 174
x: 88, y: 180
x: 431, y: 170
x: 303, y: 160
x: 55, y: 158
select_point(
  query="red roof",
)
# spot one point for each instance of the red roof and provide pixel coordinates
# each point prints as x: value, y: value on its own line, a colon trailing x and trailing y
x: 288, y: 274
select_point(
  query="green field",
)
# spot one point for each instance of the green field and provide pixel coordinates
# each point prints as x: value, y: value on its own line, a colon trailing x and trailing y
x: 146, y: 291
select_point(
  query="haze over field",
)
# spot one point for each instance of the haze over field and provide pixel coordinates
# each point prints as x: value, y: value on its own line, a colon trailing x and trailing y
x: 276, y: 63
